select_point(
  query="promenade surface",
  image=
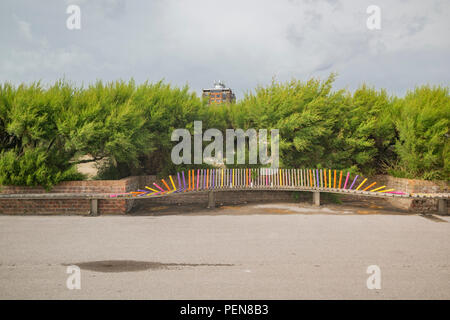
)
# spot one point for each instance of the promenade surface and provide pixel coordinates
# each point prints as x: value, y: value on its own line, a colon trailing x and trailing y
x: 266, y: 251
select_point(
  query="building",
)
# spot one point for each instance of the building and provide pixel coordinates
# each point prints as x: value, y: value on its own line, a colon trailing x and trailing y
x: 219, y: 94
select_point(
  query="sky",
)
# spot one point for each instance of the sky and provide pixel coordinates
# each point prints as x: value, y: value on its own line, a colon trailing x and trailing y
x: 244, y: 43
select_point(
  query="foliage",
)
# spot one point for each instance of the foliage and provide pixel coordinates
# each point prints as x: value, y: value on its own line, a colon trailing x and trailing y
x: 46, y: 131
x: 319, y: 127
x: 422, y: 121
x: 43, y: 133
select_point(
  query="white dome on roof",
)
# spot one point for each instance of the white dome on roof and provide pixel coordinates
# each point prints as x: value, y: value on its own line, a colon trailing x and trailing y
x: 218, y: 85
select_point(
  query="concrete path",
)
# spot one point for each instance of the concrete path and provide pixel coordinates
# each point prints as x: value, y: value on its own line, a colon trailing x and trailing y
x: 305, y: 253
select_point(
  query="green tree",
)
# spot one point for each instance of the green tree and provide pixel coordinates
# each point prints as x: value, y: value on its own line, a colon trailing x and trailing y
x: 45, y: 131
x: 422, y: 120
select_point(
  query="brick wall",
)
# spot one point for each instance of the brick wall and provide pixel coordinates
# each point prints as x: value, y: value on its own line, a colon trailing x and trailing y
x: 229, y: 197
x: 413, y: 186
x: 67, y: 206
x: 41, y: 206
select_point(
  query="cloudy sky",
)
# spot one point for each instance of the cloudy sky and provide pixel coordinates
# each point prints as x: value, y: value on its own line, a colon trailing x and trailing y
x: 244, y: 43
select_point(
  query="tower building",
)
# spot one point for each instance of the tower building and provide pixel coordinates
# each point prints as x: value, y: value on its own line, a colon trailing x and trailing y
x: 219, y: 94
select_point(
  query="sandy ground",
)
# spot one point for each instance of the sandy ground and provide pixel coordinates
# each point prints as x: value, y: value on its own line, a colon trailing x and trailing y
x: 266, y: 251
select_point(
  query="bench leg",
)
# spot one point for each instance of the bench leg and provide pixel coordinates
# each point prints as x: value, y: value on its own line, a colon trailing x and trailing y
x: 211, y: 199
x: 442, y: 206
x: 94, y: 207
x: 316, y: 198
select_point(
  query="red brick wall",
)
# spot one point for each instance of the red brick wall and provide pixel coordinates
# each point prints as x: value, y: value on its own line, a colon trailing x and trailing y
x: 63, y: 206
x: 94, y: 186
x: 72, y: 206
x: 414, y: 186
x: 228, y: 197
x: 12, y: 206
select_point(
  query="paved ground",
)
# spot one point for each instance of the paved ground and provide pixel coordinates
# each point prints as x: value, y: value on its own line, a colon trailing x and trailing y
x: 281, y: 251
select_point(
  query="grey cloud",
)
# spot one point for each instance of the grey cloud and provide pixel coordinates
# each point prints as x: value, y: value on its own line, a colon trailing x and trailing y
x: 417, y: 24
x: 294, y: 36
x: 324, y: 67
x: 244, y: 43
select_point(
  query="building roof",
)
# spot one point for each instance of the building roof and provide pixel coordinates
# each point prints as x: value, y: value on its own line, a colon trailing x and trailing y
x: 218, y: 85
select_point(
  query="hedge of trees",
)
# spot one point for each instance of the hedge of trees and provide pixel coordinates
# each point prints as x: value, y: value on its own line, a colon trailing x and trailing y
x: 46, y: 131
